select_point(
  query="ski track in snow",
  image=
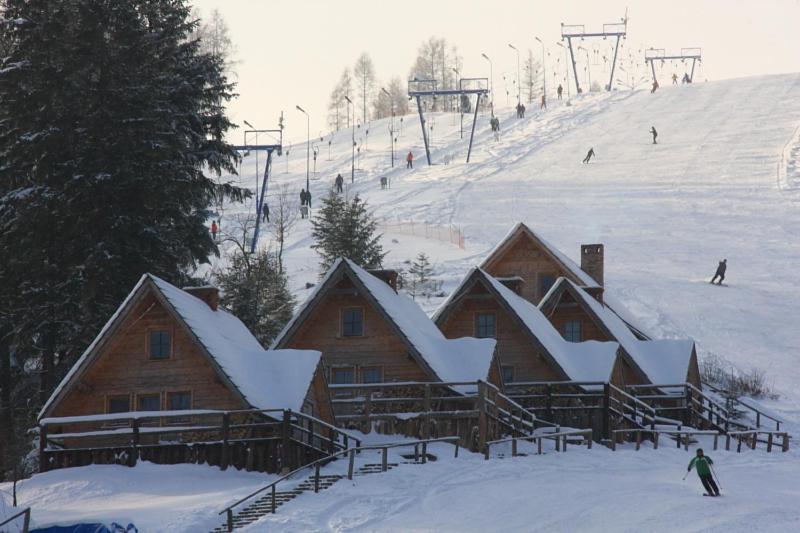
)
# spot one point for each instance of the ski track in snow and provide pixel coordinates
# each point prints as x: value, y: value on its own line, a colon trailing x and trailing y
x: 666, y: 213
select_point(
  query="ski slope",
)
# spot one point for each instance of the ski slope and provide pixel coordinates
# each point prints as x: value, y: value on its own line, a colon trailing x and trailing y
x: 667, y: 213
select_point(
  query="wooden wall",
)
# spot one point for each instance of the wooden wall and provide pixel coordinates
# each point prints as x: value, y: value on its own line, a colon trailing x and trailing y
x: 514, y: 346
x: 124, y: 367
x: 379, y: 346
x: 568, y: 310
x: 525, y: 258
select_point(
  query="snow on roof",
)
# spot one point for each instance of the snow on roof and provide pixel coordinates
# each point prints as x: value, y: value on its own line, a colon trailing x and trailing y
x: 465, y: 359
x: 581, y: 361
x: 568, y: 263
x: 664, y: 361
x: 276, y: 379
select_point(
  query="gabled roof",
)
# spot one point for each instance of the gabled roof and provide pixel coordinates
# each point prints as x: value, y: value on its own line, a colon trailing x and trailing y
x: 567, y: 264
x: 662, y: 361
x: 465, y: 359
x: 576, y: 361
x: 262, y: 379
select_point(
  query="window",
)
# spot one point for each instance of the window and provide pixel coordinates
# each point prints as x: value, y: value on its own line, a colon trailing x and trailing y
x: 545, y: 282
x: 160, y: 344
x: 572, y: 331
x: 119, y: 404
x: 148, y: 402
x: 353, y: 322
x: 179, y: 401
x: 372, y: 374
x: 343, y: 375
x: 508, y: 373
x: 484, y: 325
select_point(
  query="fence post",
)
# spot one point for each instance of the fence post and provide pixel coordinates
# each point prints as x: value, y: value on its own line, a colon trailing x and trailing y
x: 549, y: 402
x: 385, y: 460
x: 769, y: 442
x: 424, y: 452
x: 426, y: 430
x: 513, y: 447
x: 481, y: 415
x: 229, y: 520
x: 606, y: 411
x: 785, y: 442
x: 26, y: 521
x: 225, y: 454
x: 134, y: 443
x: 727, y: 442
x: 43, y: 460
x: 755, y: 439
x: 655, y: 440
x: 274, y: 500
x: 332, y: 441
x: 539, y: 446
x: 368, y: 412
x: 286, y: 427
x: 638, y: 439
x: 316, y: 477
x: 456, y: 454
x: 758, y: 419
x: 716, y: 436
x: 350, y: 466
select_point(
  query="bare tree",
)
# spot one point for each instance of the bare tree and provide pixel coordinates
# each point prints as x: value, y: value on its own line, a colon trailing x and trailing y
x: 214, y: 37
x: 337, y: 106
x: 284, y: 217
x: 364, y: 73
x: 531, y: 81
x: 382, y: 105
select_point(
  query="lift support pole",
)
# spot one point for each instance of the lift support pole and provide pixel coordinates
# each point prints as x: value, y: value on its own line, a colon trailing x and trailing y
x: 617, y: 29
x: 424, y: 133
x: 651, y: 55
x: 269, y: 148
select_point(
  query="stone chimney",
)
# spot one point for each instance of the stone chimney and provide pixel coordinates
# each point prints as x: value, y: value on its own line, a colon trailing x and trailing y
x: 387, y: 276
x: 209, y: 294
x: 592, y: 261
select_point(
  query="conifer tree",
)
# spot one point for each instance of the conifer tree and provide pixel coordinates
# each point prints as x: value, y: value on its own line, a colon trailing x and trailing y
x: 344, y: 228
x: 420, y: 273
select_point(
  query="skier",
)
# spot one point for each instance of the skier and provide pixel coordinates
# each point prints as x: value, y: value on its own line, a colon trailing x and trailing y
x: 589, y: 155
x: 410, y: 160
x: 559, y: 91
x: 214, y: 229
x: 496, y: 128
x: 308, y: 198
x: 265, y: 213
x: 655, y: 134
x: 543, y: 105
x: 720, y: 273
x: 703, y: 464
x: 655, y: 86
x: 521, y: 110
x: 302, y: 197
x: 339, y: 182
x: 686, y: 78
x: 674, y: 79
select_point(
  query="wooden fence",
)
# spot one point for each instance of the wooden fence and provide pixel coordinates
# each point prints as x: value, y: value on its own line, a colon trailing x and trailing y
x: 253, y: 439
x: 25, y: 514
x: 560, y: 438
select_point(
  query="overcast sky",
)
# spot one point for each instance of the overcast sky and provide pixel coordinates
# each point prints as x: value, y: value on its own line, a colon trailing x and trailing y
x: 292, y: 52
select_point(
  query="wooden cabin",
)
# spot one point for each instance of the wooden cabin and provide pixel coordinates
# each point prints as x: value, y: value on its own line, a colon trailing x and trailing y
x: 529, y: 265
x: 368, y: 333
x: 579, y: 316
x: 528, y: 347
x: 171, y: 350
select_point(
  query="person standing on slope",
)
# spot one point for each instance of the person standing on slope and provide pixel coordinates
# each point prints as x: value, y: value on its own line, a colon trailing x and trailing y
x: 339, y: 183
x: 559, y: 91
x: 720, y: 273
x: 674, y: 79
x: 703, y: 465
x: 410, y: 160
x: 655, y: 133
x: 655, y: 86
x: 543, y: 105
x: 214, y: 230
x: 589, y: 155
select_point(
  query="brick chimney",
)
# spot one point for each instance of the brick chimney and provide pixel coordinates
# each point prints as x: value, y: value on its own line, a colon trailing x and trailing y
x: 209, y: 294
x: 592, y: 261
x: 387, y: 276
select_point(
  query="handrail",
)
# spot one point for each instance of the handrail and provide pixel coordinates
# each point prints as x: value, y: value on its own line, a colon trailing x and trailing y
x: 555, y: 436
x: 657, y: 432
x: 335, y: 455
x: 26, y: 521
x: 759, y: 413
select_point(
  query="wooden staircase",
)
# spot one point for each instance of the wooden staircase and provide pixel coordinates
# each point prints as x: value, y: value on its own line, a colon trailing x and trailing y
x: 263, y: 506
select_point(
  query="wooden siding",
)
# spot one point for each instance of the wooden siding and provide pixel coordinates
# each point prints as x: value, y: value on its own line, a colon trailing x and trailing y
x: 568, y: 310
x: 124, y: 367
x: 514, y: 346
x: 379, y: 346
x: 527, y: 259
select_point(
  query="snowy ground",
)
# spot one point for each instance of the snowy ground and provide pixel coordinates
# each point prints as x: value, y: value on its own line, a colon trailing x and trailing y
x: 710, y: 189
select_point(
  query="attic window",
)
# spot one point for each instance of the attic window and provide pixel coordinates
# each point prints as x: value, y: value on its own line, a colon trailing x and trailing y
x: 484, y: 325
x: 546, y: 281
x: 572, y: 331
x: 160, y: 344
x: 353, y: 322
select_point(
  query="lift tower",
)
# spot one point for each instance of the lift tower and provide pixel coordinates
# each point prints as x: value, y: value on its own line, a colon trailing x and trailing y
x: 466, y: 87
x: 276, y: 139
x: 651, y: 55
x: 574, y: 31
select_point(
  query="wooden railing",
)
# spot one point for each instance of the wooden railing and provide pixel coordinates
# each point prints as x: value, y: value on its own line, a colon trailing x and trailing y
x: 560, y: 438
x: 316, y: 465
x: 751, y: 438
x: 694, y: 407
x: 254, y: 439
x: 26, y: 520
x: 734, y: 401
x: 682, y: 436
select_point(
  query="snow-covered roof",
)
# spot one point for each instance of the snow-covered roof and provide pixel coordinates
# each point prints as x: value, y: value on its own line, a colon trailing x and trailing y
x: 266, y: 379
x: 663, y: 361
x: 580, y: 361
x: 567, y: 263
x: 464, y: 359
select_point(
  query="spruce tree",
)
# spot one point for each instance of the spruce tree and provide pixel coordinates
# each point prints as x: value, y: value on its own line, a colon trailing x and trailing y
x: 344, y: 228
x: 254, y: 288
x: 421, y: 273
x: 111, y: 115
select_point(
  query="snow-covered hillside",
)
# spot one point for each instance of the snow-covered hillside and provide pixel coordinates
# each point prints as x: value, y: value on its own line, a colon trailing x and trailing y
x: 710, y: 189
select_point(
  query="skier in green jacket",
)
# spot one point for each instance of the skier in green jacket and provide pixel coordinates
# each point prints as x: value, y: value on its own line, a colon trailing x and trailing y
x: 703, y: 464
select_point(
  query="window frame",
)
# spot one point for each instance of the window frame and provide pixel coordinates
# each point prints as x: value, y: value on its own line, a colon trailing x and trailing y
x: 149, y: 346
x: 364, y: 369
x: 110, y: 397
x: 476, y: 325
x: 569, y: 332
x: 168, y: 407
x: 140, y: 396
x: 342, y: 313
x: 503, y: 373
x: 338, y: 393
x: 541, y: 277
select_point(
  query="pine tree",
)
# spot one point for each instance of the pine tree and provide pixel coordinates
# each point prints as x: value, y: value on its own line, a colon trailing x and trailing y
x: 420, y: 273
x: 110, y: 115
x: 344, y: 228
x: 255, y: 289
